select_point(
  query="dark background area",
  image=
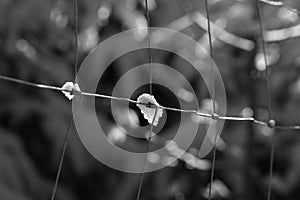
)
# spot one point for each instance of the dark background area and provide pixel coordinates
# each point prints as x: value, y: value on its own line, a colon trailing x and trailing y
x: 37, y: 45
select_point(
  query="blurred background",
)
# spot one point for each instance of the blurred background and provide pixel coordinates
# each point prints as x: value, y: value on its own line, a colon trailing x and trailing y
x: 37, y: 45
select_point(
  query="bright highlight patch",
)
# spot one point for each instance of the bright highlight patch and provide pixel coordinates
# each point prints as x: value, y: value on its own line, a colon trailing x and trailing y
x: 149, y: 112
x: 68, y: 88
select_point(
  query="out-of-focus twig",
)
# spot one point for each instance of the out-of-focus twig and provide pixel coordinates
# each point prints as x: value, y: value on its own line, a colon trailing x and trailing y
x: 221, y: 33
x: 225, y: 36
x: 282, y: 34
x: 218, y: 32
x: 281, y: 4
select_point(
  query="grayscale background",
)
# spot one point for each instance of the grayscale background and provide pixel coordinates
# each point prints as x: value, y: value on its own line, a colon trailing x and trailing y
x: 37, y: 45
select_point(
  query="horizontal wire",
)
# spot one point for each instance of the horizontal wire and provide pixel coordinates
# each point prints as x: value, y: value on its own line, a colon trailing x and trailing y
x: 201, y: 114
x: 22, y: 82
x: 280, y: 4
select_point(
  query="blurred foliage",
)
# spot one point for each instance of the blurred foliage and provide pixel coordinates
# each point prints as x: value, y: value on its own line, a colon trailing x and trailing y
x: 37, y: 44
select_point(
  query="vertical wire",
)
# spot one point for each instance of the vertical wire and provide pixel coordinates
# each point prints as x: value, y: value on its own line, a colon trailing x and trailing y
x: 145, y: 161
x: 67, y: 133
x: 259, y: 13
x: 212, y: 86
x: 267, y: 71
x: 61, y: 159
x: 150, y: 88
x: 212, y: 168
x: 76, y: 38
x: 149, y: 45
x: 270, y: 172
x: 63, y: 152
x: 213, y: 99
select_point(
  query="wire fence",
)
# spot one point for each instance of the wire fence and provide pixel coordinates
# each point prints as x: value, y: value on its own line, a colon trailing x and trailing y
x: 214, y: 116
x: 213, y: 31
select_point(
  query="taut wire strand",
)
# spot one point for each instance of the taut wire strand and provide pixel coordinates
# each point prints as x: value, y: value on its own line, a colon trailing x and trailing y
x: 76, y: 38
x: 212, y: 86
x: 196, y: 112
x: 213, y: 167
x: 61, y: 159
x: 67, y: 133
x: 149, y: 45
x: 213, y: 98
x: 144, y: 164
x: 267, y: 70
x: 22, y: 82
x: 150, y: 85
x: 270, y: 171
x: 267, y: 74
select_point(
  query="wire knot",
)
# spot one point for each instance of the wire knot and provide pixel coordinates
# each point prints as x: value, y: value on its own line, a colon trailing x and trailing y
x: 215, y: 116
x: 149, y: 108
x: 69, y: 89
x: 271, y: 123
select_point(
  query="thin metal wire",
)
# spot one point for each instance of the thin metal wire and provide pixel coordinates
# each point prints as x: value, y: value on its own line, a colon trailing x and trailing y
x: 212, y: 87
x: 63, y: 151
x: 228, y: 118
x: 281, y: 4
x: 261, y: 28
x: 66, y: 139
x: 22, y: 82
x: 145, y: 161
x: 150, y: 87
x: 76, y: 38
x: 270, y: 171
x: 267, y: 70
x: 61, y: 159
x: 212, y: 168
x: 149, y: 45
x: 287, y: 127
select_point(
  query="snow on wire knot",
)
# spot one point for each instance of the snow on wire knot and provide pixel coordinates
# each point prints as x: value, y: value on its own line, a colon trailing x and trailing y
x: 148, y: 105
x: 69, y: 89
